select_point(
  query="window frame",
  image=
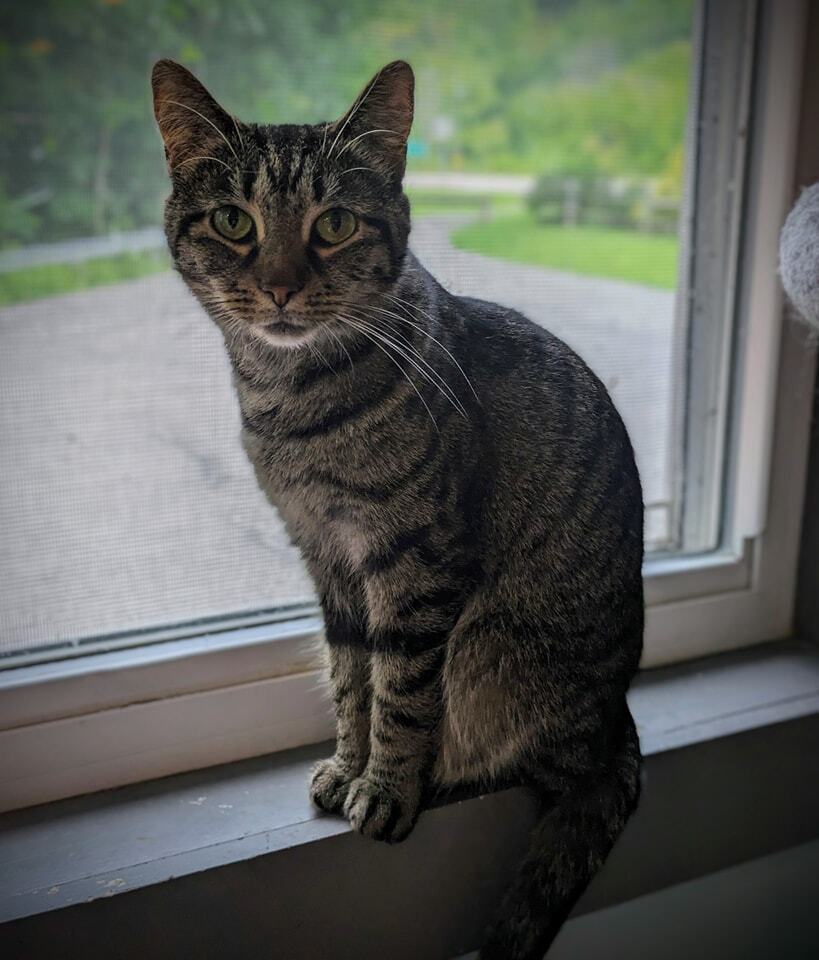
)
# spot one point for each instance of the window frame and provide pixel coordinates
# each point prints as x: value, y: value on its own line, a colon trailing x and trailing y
x: 119, y: 716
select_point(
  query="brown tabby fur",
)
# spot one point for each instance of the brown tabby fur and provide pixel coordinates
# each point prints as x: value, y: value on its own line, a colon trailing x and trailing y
x: 460, y: 484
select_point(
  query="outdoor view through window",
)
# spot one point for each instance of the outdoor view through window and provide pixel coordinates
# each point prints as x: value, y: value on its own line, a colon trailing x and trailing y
x: 546, y: 171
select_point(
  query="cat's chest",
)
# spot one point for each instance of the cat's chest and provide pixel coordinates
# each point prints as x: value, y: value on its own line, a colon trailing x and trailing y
x: 326, y: 524
x: 311, y: 493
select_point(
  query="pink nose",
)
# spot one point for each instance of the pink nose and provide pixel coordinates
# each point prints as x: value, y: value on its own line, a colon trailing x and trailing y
x: 282, y: 294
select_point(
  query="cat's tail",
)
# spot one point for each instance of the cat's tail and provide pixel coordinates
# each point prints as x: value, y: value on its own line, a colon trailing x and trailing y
x: 571, y: 840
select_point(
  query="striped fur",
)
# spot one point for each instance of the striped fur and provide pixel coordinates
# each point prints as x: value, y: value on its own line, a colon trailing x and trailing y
x: 461, y: 487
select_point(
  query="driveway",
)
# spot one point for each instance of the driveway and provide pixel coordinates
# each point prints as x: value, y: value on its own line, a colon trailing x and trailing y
x: 126, y: 501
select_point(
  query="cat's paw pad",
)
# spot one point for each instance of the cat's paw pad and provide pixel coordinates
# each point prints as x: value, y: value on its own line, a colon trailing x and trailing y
x: 329, y: 786
x: 379, y: 812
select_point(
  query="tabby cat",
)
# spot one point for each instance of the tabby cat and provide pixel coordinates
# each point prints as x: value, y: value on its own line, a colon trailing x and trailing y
x: 459, y: 483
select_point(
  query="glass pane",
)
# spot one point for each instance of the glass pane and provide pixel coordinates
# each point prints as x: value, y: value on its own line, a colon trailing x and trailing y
x: 545, y: 171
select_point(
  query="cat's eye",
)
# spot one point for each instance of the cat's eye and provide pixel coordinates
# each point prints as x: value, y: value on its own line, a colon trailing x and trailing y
x: 232, y: 222
x: 335, y: 225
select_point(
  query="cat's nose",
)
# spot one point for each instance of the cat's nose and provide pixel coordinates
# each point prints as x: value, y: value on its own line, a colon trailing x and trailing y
x: 281, y: 293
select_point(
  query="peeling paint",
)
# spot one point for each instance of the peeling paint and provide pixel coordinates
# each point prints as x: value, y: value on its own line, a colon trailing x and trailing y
x: 53, y: 890
x: 198, y: 801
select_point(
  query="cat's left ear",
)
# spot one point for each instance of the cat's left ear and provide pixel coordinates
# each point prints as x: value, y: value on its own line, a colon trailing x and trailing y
x: 380, y: 119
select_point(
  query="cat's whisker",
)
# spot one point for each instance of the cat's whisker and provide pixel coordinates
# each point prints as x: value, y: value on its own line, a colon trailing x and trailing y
x: 314, y: 347
x: 442, y: 385
x: 356, y: 107
x: 238, y: 132
x: 350, y: 322
x: 337, y: 339
x: 429, y: 336
x: 366, y: 133
x: 430, y: 374
x: 353, y: 169
x: 182, y: 163
x: 186, y: 107
x: 410, y: 354
x: 400, y: 300
x: 392, y: 327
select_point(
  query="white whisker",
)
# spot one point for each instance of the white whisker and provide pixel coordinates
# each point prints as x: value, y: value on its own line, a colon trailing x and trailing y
x: 350, y: 322
x: 356, y: 107
x: 400, y: 300
x: 450, y: 394
x: 353, y: 169
x: 337, y: 339
x: 322, y: 357
x: 227, y: 166
x: 186, y: 107
x: 238, y: 132
x: 411, y: 355
x: 366, y: 133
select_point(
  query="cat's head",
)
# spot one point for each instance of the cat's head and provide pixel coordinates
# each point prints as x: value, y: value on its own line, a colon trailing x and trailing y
x: 279, y: 230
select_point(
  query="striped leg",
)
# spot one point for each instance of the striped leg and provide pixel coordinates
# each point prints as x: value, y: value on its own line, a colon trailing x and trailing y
x: 350, y: 680
x: 414, y: 591
x: 384, y: 801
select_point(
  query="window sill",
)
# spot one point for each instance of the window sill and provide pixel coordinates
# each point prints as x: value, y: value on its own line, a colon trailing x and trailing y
x: 731, y: 730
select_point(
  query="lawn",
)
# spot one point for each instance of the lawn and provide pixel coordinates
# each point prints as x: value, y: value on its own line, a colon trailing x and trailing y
x: 47, y: 280
x: 594, y: 251
x: 425, y: 202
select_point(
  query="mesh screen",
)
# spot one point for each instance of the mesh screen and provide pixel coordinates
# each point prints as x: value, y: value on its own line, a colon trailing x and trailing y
x: 545, y: 171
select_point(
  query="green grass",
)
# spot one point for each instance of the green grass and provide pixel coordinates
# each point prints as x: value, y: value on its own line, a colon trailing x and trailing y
x: 425, y: 202
x: 594, y: 251
x: 32, y: 283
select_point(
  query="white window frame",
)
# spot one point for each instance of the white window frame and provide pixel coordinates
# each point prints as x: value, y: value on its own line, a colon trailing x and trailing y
x: 124, y: 715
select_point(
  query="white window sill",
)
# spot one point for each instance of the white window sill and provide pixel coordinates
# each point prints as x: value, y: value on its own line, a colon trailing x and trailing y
x: 91, y: 849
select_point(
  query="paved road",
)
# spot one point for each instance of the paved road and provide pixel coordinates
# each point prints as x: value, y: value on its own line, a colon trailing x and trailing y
x: 126, y: 501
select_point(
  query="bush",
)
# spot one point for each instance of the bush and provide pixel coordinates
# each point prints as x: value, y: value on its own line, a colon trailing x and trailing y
x: 597, y: 201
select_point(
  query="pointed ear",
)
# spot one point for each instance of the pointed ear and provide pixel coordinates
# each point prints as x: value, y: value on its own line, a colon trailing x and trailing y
x: 381, y: 117
x: 190, y: 120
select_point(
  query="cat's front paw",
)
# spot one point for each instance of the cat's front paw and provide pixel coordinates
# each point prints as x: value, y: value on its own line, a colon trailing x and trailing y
x: 379, y: 812
x: 330, y: 785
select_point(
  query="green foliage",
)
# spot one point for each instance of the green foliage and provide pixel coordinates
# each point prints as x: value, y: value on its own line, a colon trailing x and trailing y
x: 595, y: 86
x: 48, y: 280
x: 632, y: 204
x: 594, y: 251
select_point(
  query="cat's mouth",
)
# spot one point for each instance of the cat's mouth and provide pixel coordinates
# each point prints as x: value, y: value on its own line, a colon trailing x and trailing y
x: 284, y: 332
x: 283, y: 326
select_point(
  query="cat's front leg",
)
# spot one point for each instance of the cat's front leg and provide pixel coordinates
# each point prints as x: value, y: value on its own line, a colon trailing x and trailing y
x: 384, y: 802
x: 350, y: 680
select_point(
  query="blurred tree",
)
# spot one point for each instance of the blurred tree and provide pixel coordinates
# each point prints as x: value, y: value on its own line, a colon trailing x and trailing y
x: 561, y: 86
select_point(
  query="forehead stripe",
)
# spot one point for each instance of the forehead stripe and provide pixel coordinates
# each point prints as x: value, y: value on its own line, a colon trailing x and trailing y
x: 297, y: 171
x: 318, y: 187
x: 248, y: 180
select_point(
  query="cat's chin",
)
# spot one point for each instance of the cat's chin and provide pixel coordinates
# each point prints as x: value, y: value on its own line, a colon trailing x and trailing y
x: 286, y: 335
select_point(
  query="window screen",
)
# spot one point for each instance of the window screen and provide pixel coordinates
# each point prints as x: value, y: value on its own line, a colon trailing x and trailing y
x: 546, y: 171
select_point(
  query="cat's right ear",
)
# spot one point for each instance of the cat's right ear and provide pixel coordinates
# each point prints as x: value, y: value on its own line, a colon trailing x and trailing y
x: 191, y: 122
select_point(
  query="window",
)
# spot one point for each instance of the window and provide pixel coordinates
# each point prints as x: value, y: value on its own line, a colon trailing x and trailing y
x: 596, y: 164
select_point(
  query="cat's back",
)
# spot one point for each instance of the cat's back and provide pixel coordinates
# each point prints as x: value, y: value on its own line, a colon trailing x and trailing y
x: 535, y: 389
x: 563, y: 465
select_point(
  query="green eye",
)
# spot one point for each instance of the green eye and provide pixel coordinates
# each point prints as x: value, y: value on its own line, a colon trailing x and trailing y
x: 232, y: 223
x: 336, y: 225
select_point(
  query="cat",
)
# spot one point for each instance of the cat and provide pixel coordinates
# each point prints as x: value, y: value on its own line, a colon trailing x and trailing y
x: 460, y: 485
